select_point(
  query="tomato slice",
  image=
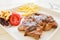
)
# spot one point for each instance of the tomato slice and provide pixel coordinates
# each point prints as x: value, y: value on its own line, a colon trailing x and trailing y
x: 15, y: 19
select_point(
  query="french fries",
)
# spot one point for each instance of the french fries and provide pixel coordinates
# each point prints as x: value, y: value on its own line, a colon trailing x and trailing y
x: 5, y: 14
x: 28, y: 9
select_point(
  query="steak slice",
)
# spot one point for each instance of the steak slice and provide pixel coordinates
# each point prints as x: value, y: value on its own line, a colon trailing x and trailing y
x: 34, y: 32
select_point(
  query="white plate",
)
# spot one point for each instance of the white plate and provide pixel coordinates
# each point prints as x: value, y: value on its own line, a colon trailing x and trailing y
x: 13, y: 31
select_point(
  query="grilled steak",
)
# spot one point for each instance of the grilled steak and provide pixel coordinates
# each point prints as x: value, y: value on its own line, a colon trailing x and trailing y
x: 36, y: 23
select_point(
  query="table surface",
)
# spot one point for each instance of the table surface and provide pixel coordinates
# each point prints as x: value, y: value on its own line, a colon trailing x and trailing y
x: 5, y: 36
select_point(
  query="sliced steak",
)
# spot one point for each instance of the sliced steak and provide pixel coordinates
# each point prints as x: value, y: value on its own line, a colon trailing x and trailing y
x: 36, y: 23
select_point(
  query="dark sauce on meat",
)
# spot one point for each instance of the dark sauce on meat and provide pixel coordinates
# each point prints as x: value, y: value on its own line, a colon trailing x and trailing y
x: 4, y: 22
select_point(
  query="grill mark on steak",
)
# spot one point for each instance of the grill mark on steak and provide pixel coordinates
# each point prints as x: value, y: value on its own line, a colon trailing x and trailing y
x: 31, y: 29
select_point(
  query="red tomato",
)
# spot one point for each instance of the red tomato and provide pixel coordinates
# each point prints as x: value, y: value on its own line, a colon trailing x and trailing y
x: 15, y: 19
